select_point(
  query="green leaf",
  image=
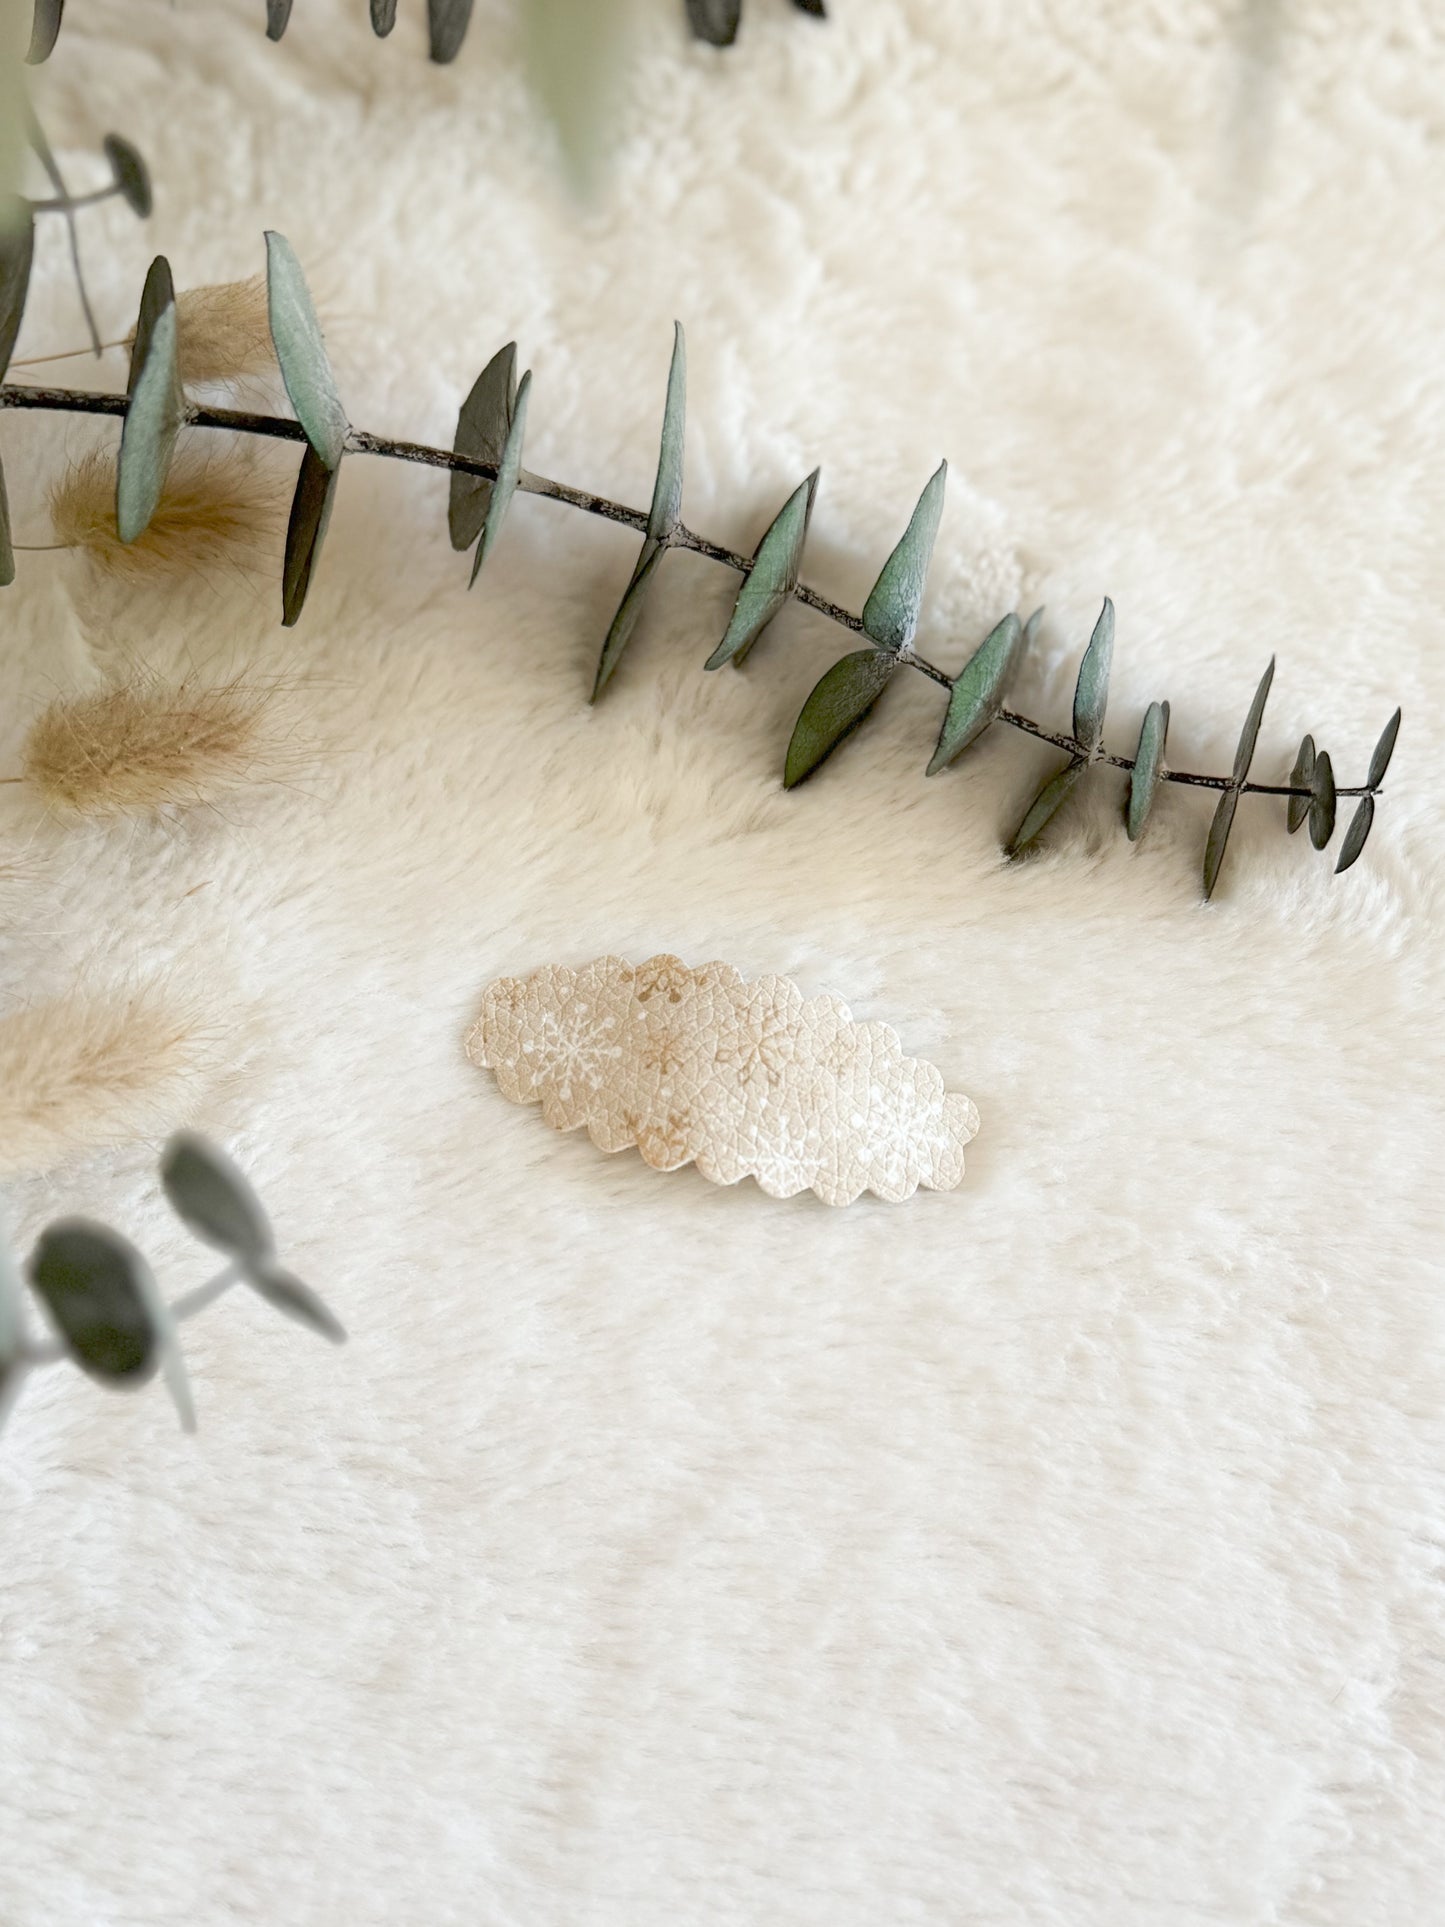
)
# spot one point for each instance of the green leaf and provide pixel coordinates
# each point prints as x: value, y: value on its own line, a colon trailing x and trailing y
x: 1032, y: 626
x: 156, y: 407
x: 278, y: 13
x: 1356, y: 834
x: 715, y: 21
x: 1301, y: 777
x: 7, y: 552
x: 310, y: 513
x: 482, y: 426
x: 1091, y: 692
x: 978, y: 692
x: 1148, y: 763
x: 131, y: 174
x: 508, y: 471
x: 1249, y: 735
x: 12, y: 1307
x: 838, y: 703
x: 576, y: 60
x: 817, y: 8
x: 447, y: 22
x: 44, y: 30
x: 17, y: 249
x: 298, y: 1301
x: 772, y: 581
x: 1046, y: 805
x: 383, y: 16
x: 214, y: 1200
x: 1322, y: 801
x: 890, y: 615
x: 1380, y: 761
x: 301, y: 353
x: 102, y: 1299
x: 1218, y: 840
x: 628, y: 611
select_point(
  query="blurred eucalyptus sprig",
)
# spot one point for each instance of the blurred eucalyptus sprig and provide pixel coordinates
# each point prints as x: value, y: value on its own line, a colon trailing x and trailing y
x: 487, y: 473
x: 102, y: 1298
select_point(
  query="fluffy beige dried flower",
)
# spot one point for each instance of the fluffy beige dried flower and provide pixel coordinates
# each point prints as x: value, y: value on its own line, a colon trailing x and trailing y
x: 215, y: 512
x: 222, y: 331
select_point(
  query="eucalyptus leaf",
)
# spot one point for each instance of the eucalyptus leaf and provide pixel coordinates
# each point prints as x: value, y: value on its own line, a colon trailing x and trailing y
x: 576, y: 59
x: 715, y: 21
x: 1356, y: 834
x: 1218, y: 839
x: 482, y: 426
x: 1148, y: 764
x: 666, y: 507
x: 12, y: 1307
x: 978, y: 692
x: 17, y: 250
x: 306, y: 530
x: 1249, y: 735
x: 837, y: 704
x: 628, y: 611
x: 1384, y: 750
x: 1322, y: 801
x: 1032, y: 626
x: 214, y: 1200
x: 44, y: 30
x: 98, y: 1291
x: 772, y: 581
x: 288, y: 1294
x: 447, y: 22
x: 509, y: 469
x: 301, y: 353
x: 890, y: 615
x: 1301, y: 777
x: 278, y: 13
x: 156, y: 407
x: 1091, y: 692
x: 817, y: 8
x: 132, y: 176
x: 383, y: 16
x: 7, y: 551
x: 1046, y: 805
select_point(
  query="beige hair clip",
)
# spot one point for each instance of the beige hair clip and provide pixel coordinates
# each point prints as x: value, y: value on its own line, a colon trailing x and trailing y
x: 742, y: 1079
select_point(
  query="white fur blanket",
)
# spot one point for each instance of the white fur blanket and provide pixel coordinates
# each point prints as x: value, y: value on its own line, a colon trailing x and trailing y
x: 1064, y: 1549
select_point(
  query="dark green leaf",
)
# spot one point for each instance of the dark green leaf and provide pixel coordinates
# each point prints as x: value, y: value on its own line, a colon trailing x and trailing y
x: 7, y: 552
x: 667, y: 489
x: 628, y: 611
x: 1050, y: 799
x: 1301, y: 777
x: 447, y: 22
x: 1148, y: 763
x: 482, y: 426
x: 1249, y: 735
x: 978, y: 692
x: 507, y: 473
x: 1384, y: 750
x: 1322, y: 801
x: 301, y: 353
x: 1356, y: 834
x: 278, y: 12
x: 131, y: 174
x: 156, y: 406
x: 98, y: 1291
x: 715, y: 21
x: 772, y: 580
x: 17, y: 248
x: 383, y: 16
x: 214, y: 1200
x: 817, y: 8
x: 1091, y: 692
x: 1218, y: 840
x: 306, y: 530
x: 44, y: 29
x: 837, y: 705
x: 298, y: 1301
x: 890, y: 615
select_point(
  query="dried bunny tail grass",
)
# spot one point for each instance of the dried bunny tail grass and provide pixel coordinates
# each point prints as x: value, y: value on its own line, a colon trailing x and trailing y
x: 145, y: 744
x: 222, y: 332
x: 215, y: 512
x: 92, y: 1068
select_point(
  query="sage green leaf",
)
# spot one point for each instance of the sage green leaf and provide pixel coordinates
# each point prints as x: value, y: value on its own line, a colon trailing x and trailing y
x: 715, y: 21
x: 298, y: 1301
x: 1046, y: 805
x: 628, y: 611
x: 772, y: 581
x: 1148, y: 764
x: 383, y: 16
x: 978, y: 692
x: 890, y: 615
x: 838, y: 703
x: 1091, y: 692
x: 156, y: 407
x: 576, y: 60
x: 508, y: 471
x: 666, y: 507
x: 481, y: 435
x: 131, y: 174
x: 1356, y: 834
x: 1384, y: 750
x: 44, y: 30
x: 1032, y: 626
x: 17, y: 250
x: 1249, y: 735
x: 214, y: 1200
x: 447, y: 22
x: 1218, y: 840
x: 1301, y: 777
x: 310, y: 513
x: 7, y: 552
x: 301, y: 353
x: 97, y: 1289
x: 278, y: 13
x: 1322, y: 801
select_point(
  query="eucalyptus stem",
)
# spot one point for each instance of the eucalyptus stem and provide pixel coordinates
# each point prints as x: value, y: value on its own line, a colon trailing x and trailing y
x: 361, y: 442
x: 186, y: 1306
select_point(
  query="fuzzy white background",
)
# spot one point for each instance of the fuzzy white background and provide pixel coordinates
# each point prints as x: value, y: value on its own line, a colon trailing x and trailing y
x: 1068, y: 1549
